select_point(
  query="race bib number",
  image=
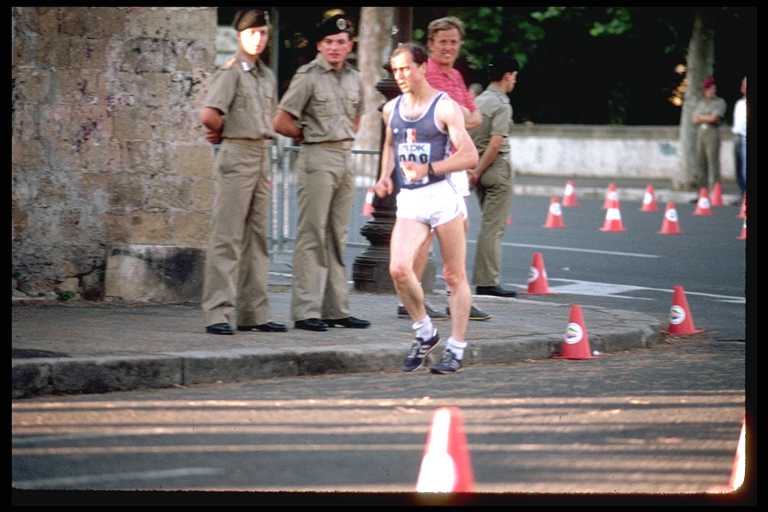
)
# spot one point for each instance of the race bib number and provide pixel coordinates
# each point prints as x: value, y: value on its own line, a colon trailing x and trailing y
x: 417, y: 152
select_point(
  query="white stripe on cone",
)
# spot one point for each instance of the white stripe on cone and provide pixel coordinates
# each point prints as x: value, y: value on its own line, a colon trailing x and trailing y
x: 438, y: 469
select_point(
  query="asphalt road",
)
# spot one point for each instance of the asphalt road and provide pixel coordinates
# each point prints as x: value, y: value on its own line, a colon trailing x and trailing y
x: 661, y: 420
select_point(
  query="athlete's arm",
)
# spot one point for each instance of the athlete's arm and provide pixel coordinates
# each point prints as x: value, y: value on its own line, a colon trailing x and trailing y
x: 465, y: 155
x: 384, y: 186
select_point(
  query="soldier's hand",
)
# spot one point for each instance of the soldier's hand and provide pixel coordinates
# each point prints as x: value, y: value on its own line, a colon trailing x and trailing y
x: 383, y: 187
x: 213, y: 136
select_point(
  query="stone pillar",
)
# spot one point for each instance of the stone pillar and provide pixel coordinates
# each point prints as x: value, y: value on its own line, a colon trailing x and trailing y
x: 106, y: 139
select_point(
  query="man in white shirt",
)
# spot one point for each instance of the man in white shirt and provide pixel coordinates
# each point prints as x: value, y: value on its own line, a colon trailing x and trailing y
x: 740, y: 138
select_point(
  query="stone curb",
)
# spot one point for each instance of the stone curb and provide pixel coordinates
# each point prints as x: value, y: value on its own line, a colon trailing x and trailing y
x: 45, y: 376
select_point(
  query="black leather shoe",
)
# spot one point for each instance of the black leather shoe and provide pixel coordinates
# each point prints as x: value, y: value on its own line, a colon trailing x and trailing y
x: 222, y: 328
x: 267, y: 327
x: 350, y: 322
x: 433, y: 313
x: 310, y: 324
x: 474, y: 313
x: 497, y: 291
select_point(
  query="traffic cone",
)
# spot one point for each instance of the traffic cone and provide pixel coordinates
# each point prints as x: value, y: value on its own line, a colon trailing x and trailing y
x: 569, y: 196
x: 445, y: 466
x: 368, y: 203
x: 537, y: 279
x: 613, y: 218
x: 680, y: 317
x: 743, y: 210
x: 611, y: 194
x: 739, y: 465
x: 575, y: 343
x: 649, y: 200
x: 743, y: 235
x: 670, y: 225
x: 554, y: 215
x: 702, y: 205
x: 717, y: 195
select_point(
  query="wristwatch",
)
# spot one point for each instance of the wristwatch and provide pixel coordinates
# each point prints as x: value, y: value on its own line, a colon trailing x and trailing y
x: 430, y: 171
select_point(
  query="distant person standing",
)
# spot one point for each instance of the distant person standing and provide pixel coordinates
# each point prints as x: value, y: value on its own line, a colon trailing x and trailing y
x: 707, y: 115
x: 493, y: 175
x: 238, y: 109
x: 740, y: 138
x: 322, y: 109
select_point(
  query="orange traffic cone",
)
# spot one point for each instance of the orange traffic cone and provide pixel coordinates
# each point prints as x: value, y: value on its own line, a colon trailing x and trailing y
x: 717, y: 195
x: 649, y: 200
x: 743, y: 235
x: 537, y: 279
x: 611, y: 195
x: 739, y: 465
x: 613, y: 218
x: 680, y: 318
x: 702, y: 206
x: 670, y: 225
x: 554, y: 215
x: 575, y: 343
x: 445, y: 466
x: 569, y: 196
x: 368, y: 203
x: 743, y: 210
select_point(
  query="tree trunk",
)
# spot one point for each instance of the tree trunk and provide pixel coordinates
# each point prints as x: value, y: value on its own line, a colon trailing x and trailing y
x: 374, y: 46
x: 700, y: 63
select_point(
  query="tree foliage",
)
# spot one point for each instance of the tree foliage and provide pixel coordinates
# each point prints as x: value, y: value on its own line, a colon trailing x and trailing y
x: 597, y: 65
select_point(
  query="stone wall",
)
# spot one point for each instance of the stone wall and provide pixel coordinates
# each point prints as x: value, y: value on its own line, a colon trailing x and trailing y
x: 605, y: 151
x: 106, y: 143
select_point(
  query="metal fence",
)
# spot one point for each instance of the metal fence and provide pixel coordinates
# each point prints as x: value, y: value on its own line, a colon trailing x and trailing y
x: 284, y: 211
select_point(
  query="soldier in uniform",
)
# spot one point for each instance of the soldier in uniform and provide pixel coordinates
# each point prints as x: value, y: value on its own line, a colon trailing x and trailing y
x: 322, y: 109
x: 493, y: 175
x: 707, y: 115
x: 240, y: 103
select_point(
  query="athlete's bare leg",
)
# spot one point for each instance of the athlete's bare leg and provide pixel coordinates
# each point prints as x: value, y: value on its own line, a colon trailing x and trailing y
x: 408, y: 237
x: 453, y: 247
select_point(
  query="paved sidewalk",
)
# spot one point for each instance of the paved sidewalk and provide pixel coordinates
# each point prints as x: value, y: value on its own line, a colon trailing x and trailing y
x: 87, y: 347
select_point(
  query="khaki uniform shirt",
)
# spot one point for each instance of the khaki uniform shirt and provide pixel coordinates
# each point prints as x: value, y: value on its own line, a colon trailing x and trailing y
x: 714, y: 105
x: 246, y: 95
x: 326, y: 102
x: 496, y: 110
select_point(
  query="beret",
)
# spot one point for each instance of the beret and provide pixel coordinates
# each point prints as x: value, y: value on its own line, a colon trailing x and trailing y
x: 333, y: 25
x: 248, y: 18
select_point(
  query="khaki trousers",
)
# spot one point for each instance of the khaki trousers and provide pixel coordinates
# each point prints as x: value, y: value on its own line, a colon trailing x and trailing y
x: 707, y: 155
x: 494, y: 192
x: 325, y: 193
x: 237, y: 260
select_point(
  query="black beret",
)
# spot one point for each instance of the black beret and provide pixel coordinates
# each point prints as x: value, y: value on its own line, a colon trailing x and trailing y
x: 248, y: 18
x: 333, y: 25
